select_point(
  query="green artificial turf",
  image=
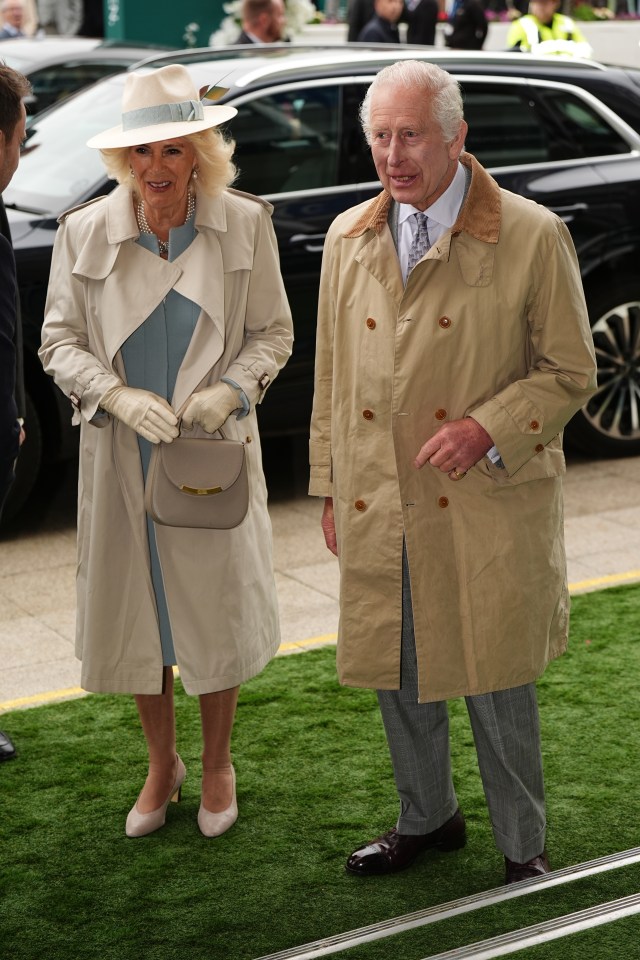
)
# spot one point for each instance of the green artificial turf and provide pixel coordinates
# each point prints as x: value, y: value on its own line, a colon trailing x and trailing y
x: 314, y: 782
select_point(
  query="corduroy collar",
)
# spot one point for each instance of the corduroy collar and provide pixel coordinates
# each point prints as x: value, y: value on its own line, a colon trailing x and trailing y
x: 479, y: 215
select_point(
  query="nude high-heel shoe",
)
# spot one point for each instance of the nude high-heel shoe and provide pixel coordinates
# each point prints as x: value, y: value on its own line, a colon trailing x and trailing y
x: 140, y: 824
x: 213, y: 824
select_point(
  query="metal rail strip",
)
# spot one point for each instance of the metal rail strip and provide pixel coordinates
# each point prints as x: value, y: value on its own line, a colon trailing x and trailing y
x: 544, y: 932
x: 453, y: 908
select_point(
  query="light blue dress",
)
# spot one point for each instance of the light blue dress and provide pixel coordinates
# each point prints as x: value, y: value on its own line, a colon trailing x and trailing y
x: 152, y: 356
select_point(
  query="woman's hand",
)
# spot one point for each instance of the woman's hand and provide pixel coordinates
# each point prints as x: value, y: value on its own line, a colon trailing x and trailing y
x: 143, y: 411
x: 211, y: 407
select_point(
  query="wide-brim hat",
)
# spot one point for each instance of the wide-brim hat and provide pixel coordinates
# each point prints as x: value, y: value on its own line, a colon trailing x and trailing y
x: 160, y: 105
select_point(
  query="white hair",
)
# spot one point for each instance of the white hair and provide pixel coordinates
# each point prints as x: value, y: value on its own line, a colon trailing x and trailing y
x: 436, y: 83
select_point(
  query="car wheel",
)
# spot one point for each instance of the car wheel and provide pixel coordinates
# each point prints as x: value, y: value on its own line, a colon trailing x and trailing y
x: 29, y: 463
x: 609, y: 424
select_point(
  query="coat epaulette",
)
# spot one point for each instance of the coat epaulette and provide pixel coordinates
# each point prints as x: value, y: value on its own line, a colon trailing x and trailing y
x: 250, y: 196
x: 80, y: 206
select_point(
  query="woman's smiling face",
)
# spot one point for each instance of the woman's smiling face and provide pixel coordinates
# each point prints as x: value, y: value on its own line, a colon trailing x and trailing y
x: 163, y: 171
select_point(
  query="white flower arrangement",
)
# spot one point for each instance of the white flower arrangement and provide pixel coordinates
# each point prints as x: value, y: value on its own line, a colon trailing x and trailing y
x: 298, y: 14
x: 190, y: 35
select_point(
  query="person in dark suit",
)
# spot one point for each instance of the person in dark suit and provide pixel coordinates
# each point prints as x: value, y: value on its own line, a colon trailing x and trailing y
x: 468, y: 24
x: 421, y: 18
x: 92, y: 19
x: 263, y: 21
x: 13, y: 87
x: 383, y: 25
x: 359, y: 12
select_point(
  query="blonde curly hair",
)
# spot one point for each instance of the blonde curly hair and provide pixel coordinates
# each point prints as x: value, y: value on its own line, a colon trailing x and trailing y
x: 213, y: 158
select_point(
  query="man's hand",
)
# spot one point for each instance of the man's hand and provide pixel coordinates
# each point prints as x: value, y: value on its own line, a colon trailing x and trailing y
x: 329, y: 526
x: 455, y: 447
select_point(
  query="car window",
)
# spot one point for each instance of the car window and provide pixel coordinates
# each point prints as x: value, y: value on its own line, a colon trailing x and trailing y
x: 287, y: 141
x: 580, y: 130
x: 56, y: 82
x: 522, y: 126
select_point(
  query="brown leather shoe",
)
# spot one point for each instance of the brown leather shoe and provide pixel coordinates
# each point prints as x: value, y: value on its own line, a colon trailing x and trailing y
x: 395, y: 851
x: 526, y: 871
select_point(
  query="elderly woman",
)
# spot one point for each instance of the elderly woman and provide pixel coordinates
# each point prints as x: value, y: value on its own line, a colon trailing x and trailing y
x: 166, y: 299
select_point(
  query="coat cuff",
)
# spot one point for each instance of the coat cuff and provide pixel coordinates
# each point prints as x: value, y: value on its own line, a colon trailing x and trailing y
x: 320, y: 469
x: 517, y: 433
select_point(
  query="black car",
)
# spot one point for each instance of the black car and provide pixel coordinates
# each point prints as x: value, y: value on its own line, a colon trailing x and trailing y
x: 561, y: 132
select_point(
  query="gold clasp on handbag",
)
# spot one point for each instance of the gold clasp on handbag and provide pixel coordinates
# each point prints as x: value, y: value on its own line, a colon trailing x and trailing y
x: 200, y: 491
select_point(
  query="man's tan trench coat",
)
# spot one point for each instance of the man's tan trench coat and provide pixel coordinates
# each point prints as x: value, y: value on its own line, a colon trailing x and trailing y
x: 219, y: 584
x: 492, y: 323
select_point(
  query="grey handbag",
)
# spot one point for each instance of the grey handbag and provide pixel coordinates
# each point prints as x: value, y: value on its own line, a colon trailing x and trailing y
x: 198, y: 483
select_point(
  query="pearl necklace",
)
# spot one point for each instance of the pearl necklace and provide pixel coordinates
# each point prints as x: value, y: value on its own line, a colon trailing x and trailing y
x: 163, y: 245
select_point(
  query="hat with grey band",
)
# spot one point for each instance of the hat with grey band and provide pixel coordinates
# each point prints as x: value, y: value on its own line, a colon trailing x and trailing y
x: 160, y: 105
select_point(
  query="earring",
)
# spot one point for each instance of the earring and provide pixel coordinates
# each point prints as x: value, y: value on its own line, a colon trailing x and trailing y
x: 131, y: 173
x: 194, y: 173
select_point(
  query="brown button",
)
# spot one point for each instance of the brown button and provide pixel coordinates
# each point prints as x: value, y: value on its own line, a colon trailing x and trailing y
x: 534, y: 425
x: 440, y: 414
x: 444, y: 322
x: 368, y: 414
x: 371, y: 323
x: 539, y: 447
x: 360, y: 505
x: 443, y: 501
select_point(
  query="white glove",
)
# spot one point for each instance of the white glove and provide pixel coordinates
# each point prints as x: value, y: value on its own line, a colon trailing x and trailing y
x: 143, y: 411
x: 211, y: 407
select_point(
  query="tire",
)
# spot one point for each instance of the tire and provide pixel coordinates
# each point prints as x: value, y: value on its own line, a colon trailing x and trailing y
x: 609, y: 424
x: 29, y: 463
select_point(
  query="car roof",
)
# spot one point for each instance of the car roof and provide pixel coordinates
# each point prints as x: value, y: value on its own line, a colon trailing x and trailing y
x: 32, y: 53
x: 250, y: 65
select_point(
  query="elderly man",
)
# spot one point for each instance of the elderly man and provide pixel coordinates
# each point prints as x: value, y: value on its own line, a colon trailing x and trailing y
x: 453, y: 346
x: 263, y: 21
x: 13, y: 87
x: 12, y: 13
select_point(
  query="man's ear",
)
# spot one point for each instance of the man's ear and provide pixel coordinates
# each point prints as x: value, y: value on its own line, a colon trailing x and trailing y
x: 457, y: 144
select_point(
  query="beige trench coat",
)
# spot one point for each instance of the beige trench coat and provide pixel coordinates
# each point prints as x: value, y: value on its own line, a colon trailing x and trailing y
x: 492, y: 323
x: 219, y: 584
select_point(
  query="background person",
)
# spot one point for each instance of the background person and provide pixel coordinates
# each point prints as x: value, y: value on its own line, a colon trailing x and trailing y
x: 61, y: 16
x: 167, y: 296
x: 13, y: 87
x: 359, y: 12
x: 544, y: 25
x: 468, y: 26
x: 444, y: 377
x: 421, y: 17
x: 383, y: 25
x: 263, y: 21
x: 12, y: 18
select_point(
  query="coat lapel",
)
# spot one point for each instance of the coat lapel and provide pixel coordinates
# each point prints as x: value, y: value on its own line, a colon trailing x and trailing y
x: 125, y: 266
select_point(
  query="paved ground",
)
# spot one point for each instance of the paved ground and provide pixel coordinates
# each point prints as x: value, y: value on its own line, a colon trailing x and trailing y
x: 37, y: 569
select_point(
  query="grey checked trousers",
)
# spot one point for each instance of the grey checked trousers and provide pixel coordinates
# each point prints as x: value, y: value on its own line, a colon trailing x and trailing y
x: 506, y: 731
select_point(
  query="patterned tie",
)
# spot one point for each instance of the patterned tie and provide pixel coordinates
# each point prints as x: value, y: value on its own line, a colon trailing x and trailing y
x: 420, y: 243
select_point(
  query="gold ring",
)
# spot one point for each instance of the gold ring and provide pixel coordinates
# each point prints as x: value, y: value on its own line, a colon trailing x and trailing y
x: 458, y: 474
